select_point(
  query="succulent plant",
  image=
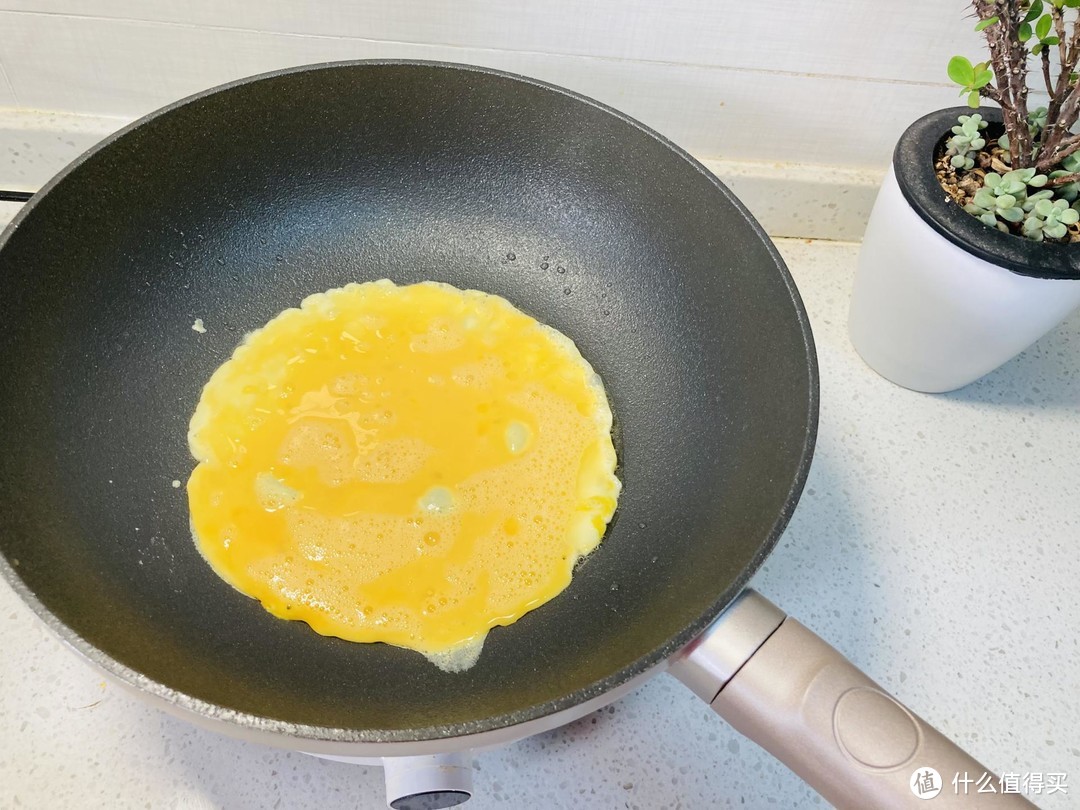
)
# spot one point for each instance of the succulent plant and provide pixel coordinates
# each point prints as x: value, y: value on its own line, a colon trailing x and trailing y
x: 1049, y: 218
x: 965, y: 141
x: 1003, y: 197
x: 1032, y: 199
x: 990, y: 208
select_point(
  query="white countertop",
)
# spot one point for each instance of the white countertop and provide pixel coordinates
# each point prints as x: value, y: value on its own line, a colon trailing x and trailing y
x: 935, y: 545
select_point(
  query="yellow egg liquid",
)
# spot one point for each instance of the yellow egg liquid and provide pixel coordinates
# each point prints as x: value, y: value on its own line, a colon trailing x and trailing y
x: 411, y: 465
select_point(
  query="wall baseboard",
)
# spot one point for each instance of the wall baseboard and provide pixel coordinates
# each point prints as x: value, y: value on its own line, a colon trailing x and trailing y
x: 789, y: 199
x: 804, y: 201
x: 36, y: 144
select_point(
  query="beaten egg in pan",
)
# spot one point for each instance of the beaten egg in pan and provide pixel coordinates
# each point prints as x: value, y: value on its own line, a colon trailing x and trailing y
x: 411, y: 465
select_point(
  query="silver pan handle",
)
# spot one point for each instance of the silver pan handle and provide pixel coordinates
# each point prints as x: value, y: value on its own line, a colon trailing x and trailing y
x: 787, y: 690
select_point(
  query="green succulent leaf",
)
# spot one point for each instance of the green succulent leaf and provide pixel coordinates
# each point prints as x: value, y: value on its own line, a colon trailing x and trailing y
x: 1054, y: 40
x: 1070, y: 216
x: 1055, y: 230
x: 1072, y: 163
x: 983, y: 198
x: 982, y: 78
x: 1038, y: 181
x: 973, y: 99
x: 1037, y: 119
x: 1034, y: 11
x: 992, y: 180
x: 984, y: 24
x: 1011, y: 214
x: 1043, y: 208
x: 1024, y: 32
x: 1042, y: 27
x: 988, y: 219
x: 961, y: 71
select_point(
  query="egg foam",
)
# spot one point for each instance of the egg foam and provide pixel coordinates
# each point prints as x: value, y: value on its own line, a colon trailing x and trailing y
x: 411, y: 465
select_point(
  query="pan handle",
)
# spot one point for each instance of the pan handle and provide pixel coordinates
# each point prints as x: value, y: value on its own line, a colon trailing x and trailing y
x: 787, y: 690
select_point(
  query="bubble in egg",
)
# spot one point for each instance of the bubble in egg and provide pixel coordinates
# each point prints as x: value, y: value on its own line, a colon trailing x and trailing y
x: 412, y: 465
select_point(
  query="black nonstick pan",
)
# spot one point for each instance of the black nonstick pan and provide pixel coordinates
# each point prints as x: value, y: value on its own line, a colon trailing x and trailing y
x: 236, y: 204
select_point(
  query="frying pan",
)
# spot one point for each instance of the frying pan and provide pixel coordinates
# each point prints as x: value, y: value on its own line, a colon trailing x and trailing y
x: 235, y: 204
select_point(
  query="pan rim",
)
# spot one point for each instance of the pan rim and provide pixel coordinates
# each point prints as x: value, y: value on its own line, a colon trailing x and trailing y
x: 566, y: 702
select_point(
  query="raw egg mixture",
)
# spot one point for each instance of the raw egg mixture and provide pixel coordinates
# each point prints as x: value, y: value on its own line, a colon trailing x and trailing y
x: 403, y: 464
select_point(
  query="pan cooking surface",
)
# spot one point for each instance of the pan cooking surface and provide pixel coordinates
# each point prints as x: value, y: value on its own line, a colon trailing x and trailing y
x: 236, y: 204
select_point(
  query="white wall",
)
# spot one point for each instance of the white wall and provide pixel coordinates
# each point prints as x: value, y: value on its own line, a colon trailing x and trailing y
x: 827, y: 82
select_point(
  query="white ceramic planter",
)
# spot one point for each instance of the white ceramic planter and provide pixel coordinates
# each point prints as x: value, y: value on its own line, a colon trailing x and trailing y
x: 931, y: 315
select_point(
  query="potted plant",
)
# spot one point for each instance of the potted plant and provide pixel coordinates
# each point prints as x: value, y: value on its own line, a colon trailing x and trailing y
x: 972, y: 250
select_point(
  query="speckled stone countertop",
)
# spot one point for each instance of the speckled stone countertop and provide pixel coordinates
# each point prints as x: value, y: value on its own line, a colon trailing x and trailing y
x: 935, y: 545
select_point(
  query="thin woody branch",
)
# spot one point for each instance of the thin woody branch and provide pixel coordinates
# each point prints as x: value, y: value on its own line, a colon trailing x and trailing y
x: 1069, y: 111
x: 1059, y: 28
x: 1068, y: 54
x: 1009, y: 60
x: 1067, y: 147
x: 1063, y: 180
x: 991, y: 92
x: 1018, y: 83
x: 1074, y: 46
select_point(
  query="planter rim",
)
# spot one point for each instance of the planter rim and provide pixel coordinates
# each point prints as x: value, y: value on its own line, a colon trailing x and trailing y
x: 913, y: 163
